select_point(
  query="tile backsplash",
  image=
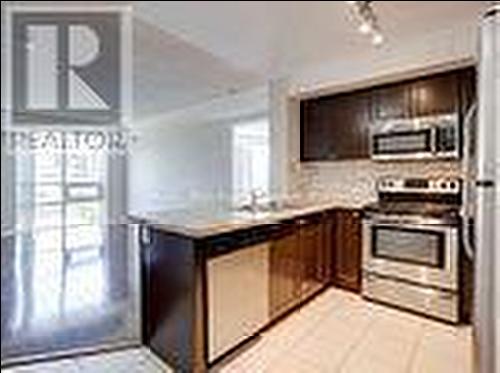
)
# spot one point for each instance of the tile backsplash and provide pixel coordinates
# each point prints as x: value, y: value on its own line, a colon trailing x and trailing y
x: 353, y: 182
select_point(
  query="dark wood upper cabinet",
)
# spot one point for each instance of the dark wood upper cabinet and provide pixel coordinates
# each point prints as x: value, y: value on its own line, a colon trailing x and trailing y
x: 431, y: 95
x: 467, y: 82
x: 348, y: 119
x: 435, y: 95
x: 392, y: 102
x: 337, y: 127
x: 313, y: 135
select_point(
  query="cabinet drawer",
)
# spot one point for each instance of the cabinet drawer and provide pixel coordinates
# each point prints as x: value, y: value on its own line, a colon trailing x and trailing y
x: 433, y: 302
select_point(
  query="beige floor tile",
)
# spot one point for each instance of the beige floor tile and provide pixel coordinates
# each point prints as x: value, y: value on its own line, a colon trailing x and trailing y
x: 329, y: 358
x: 394, y: 353
x: 444, y: 348
x: 396, y: 329
x: 390, y: 340
x: 294, y: 364
x: 368, y: 365
x: 289, y: 331
x: 434, y: 363
x: 240, y: 367
x: 337, y: 332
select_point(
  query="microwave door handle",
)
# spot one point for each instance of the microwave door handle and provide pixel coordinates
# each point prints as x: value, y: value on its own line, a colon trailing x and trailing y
x: 434, y: 148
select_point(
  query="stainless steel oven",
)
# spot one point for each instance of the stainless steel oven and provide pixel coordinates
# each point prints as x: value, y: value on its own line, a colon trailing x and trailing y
x: 436, y: 137
x: 411, y: 247
x: 416, y: 249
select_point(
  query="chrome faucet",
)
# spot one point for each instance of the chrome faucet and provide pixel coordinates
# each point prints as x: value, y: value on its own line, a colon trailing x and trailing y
x: 255, y: 196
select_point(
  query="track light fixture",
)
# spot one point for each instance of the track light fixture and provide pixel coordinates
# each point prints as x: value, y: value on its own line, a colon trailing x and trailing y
x: 368, y: 21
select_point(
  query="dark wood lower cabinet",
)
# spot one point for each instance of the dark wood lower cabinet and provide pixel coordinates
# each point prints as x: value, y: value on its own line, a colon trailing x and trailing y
x: 285, y: 271
x: 313, y: 252
x: 306, y: 254
x: 347, y: 250
x: 310, y: 246
x: 300, y: 262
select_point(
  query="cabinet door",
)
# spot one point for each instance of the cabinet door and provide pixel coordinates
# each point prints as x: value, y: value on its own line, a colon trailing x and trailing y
x: 467, y: 87
x: 348, y: 120
x: 436, y: 95
x: 336, y: 127
x: 340, y: 118
x: 310, y: 233
x: 301, y: 259
x: 347, y: 260
x: 283, y: 287
x: 364, y: 120
x: 300, y: 262
x: 392, y: 102
x: 328, y: 248
x: 313, y: 137
x: 276, y: 277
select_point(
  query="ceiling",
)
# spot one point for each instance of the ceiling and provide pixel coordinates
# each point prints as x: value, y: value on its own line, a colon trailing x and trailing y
x: 186, y: 52
x: 274, y: 37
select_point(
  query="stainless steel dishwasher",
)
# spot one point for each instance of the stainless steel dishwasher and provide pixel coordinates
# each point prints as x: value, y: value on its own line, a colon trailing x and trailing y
x: 238, y: 296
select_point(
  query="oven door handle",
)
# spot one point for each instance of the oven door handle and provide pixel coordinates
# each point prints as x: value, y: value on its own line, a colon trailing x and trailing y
x: 377, y: 218
x: 410, y: 224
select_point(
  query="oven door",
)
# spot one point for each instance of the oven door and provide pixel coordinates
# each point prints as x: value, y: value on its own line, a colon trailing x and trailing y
x: 411, y: 144
x: 420, y: 251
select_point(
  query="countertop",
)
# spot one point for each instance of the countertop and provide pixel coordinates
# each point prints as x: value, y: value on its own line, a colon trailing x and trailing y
x: 203, y: 223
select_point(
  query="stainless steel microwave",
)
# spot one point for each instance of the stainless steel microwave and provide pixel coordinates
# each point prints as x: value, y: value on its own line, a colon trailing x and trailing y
x: 436, y: 137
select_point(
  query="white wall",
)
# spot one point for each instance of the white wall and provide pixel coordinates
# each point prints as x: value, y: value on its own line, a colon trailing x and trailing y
x: 176, y: 166
x: 184, y: 159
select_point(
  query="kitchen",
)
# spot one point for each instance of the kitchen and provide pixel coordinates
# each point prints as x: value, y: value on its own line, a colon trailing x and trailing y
x: 334, y: 218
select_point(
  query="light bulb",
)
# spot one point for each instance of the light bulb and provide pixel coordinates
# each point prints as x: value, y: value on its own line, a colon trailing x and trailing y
x: 365, y: 28
x: 377, y: 39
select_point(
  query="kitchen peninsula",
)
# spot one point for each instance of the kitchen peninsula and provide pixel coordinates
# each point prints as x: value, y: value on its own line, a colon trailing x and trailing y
x: 213, y: 280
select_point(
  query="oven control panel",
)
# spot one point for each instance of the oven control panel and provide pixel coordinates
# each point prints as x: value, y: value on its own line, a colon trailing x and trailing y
x: 419, y: 185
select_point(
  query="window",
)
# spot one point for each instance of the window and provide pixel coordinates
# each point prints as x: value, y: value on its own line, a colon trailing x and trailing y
x: 251, y: 159
x: 61, y: 216
x: 60, y: 192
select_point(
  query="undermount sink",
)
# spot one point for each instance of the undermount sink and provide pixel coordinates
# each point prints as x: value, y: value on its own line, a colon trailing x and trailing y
x: 269, y: 207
